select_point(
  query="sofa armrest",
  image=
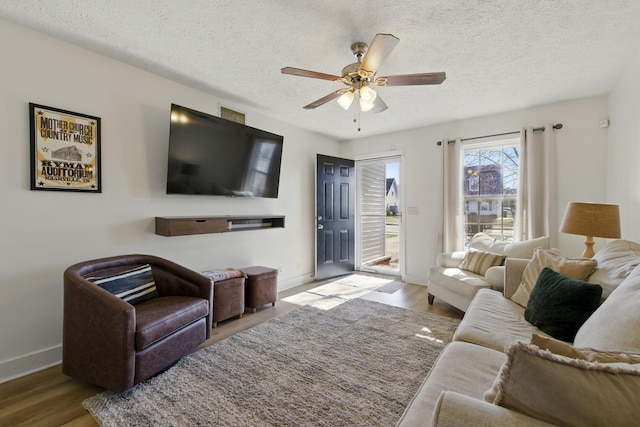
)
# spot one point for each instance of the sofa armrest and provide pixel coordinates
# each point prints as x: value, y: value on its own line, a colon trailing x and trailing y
x: 495, y: 277
x: 514, y: 267
x: 455, y: 409
x: 450, y: 259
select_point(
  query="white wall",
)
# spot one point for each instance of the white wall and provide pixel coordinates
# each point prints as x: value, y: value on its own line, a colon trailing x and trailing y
x: 44, y: 232
x: 623, y: 186
x: 581, y: 154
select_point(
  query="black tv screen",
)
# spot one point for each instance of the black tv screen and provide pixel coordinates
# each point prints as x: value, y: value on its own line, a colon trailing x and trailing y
x: 213, y: 156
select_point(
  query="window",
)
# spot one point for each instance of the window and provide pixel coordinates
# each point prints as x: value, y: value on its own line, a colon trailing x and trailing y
x: 490, y: 188
x: 261, y: 162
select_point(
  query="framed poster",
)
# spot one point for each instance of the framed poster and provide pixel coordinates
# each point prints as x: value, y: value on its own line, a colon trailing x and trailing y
x: 65, y: 150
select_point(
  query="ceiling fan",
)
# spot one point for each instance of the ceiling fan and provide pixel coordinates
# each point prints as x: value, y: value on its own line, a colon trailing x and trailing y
x: 362, y: 74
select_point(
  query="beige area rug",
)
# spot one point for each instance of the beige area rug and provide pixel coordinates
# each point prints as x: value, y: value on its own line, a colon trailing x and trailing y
x: 357, y: 364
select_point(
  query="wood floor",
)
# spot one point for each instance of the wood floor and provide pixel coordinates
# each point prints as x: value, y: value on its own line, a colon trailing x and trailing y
x: 49, y: 398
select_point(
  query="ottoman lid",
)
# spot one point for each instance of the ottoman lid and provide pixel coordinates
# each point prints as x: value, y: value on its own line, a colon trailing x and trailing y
x: 222, y: 274
x: 259, y: 270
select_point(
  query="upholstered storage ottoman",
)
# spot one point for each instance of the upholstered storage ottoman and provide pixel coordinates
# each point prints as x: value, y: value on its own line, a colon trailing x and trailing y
x: 261, y: 286
x: 228, y: 293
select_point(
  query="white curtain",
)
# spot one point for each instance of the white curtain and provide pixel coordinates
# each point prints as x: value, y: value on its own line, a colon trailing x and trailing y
x: 452, y: 224
x: 537, y: 201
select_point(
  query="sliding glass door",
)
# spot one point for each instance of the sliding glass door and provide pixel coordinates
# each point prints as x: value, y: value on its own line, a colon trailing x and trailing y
x: 379, y: 215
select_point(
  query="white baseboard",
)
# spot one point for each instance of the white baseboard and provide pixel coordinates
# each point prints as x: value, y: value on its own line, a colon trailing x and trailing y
x: 20, y: 366
x: 416, y: 279
x: 295, y: 281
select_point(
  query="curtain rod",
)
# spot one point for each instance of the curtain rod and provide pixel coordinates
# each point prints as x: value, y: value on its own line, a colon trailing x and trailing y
x: 451, y: 141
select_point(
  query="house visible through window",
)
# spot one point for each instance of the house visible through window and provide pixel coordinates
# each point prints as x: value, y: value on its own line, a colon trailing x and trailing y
x: 490, y: 188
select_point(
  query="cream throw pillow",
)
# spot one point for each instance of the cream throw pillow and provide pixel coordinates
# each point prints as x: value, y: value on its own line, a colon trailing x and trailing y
x: 479, y: 262
x: 579, y: 269
x: 616, y: 260
x: 565, y: 391
x: 524, y: 249
x: 565, y: 349
x: 615, y: 325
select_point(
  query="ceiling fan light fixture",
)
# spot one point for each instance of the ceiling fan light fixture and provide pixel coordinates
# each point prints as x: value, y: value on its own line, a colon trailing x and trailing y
x: 365, y: 105
x: 367, y: 97
x: 346, y: 99
x: 367, y: 94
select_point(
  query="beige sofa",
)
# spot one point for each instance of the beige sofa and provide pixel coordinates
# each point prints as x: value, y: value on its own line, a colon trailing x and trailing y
x: 457, y: 286
x: 500, y: 370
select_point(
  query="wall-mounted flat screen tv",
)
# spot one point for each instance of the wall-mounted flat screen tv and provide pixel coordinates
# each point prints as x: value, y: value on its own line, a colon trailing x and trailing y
x: 213, y: 156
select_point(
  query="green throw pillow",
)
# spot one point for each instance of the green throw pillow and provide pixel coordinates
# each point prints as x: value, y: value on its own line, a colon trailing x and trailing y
x: 559, y: 305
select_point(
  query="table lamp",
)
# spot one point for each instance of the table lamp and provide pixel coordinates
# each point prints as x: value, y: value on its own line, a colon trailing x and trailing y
x: 591, y: 220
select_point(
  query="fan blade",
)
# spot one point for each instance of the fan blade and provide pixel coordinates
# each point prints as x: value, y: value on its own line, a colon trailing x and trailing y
x: 306, y: 73
x: 379, y: 105
x: 380, y: 48
x: 324, y: 100
x: 412, y: 79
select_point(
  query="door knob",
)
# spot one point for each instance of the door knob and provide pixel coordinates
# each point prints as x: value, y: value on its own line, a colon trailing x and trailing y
x: 320, y: 226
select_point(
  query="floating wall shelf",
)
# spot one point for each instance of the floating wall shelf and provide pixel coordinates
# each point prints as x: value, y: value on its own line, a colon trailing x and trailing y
x: 184, y: 226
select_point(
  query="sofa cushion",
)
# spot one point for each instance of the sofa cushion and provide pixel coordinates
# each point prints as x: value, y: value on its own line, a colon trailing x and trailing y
x: 161, y: 317
x: 459, y: 281
x: 456, y: 409
x: 479, y: 261
x: 461, y: 367
x: 495, y: 322
x: 579, y: 269
x: 565, y: 349
x: 616, y: 260
x: 133, y: 286
x: 566, y: 391
x: 615, y: 324
x: 559, y: 305
x: 523, y: 249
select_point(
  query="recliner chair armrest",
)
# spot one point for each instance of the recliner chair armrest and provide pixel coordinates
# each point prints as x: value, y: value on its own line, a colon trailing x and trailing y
x: 98, y: 334
x: 455, y: 409
x: 176, y: 280
x: 450, y: 259
x: 514, y: 267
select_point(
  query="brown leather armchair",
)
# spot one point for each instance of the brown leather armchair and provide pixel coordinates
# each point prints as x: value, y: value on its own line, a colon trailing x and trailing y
x: 113, y: 344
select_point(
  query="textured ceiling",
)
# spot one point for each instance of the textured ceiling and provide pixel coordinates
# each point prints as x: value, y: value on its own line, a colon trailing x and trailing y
x: 499, y: 55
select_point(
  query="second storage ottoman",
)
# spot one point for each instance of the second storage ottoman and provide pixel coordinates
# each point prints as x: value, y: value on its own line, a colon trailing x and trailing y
x: 260, y: 287
x: 228, y: 293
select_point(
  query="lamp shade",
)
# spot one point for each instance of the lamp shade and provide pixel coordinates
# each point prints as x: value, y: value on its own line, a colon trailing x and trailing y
x: 367, y: 98
x: 592, y: 219
x: 346, y: 99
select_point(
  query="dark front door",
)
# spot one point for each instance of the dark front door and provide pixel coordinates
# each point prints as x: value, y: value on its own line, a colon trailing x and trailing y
x: 335, y: 220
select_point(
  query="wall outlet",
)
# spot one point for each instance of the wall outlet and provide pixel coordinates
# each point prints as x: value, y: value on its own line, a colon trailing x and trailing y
x: 413, y: 210
x: 280, y: 269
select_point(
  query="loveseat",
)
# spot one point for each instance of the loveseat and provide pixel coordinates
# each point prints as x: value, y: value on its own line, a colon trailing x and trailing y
x: 458, y: 275
x: 501, y: 370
